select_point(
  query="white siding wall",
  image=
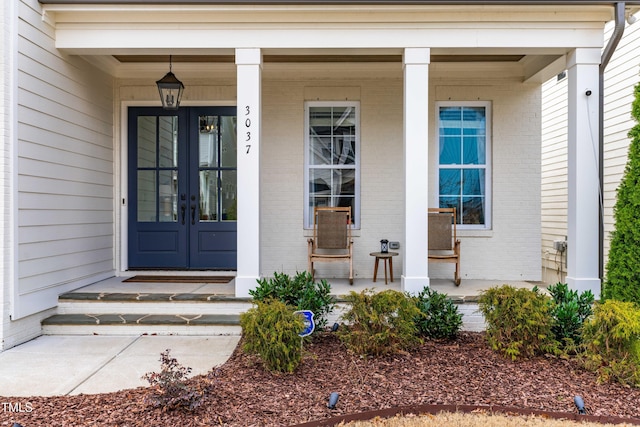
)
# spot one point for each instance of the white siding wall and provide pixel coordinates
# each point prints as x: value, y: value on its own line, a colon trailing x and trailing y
x: 6, y: 71
x: 554, y: 177
x: 65, y: 180
x: 509, y: 251
x: 621, y: 75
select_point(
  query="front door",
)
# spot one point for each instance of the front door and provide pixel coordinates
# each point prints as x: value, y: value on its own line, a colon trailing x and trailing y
x: 182, y: 188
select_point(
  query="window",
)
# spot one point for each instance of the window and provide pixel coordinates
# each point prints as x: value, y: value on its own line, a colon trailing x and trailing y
x: 332, y: 158
x: 464, y: 161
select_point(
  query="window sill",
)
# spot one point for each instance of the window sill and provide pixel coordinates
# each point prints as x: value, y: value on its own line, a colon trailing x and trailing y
x: 475, y: 233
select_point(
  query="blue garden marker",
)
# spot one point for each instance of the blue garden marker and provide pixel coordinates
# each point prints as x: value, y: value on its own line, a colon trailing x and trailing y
x: 309, y: 324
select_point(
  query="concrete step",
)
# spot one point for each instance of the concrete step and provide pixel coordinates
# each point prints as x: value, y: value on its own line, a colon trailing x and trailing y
x: 119, y: 313
x: 142, y: 324
x: 150, y: 303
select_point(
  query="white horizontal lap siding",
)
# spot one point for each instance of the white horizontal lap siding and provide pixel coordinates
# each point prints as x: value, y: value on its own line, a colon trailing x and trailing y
x: 621, y: 75
x: 7, y: 22
x: 554, y: 176
x: 65, y: 168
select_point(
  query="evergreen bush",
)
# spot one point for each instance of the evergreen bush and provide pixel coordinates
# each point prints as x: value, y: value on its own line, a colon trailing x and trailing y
x: 379, y: 323
x: 622, y: 280
x: 518, y: 321
x: 270, y: 329
x: 611, y: 342
x: 439, y: 317
x: 300, y: 292
x: 569, y: 311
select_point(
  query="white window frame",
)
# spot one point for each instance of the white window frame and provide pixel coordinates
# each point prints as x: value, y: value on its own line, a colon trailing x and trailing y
x: 355, y: 215
x: 488, y: 159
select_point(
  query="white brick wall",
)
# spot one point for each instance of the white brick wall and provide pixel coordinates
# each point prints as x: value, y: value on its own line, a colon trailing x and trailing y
x: 510, y: 251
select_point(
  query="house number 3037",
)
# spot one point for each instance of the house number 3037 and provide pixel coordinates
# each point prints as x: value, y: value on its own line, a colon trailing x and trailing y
x: 247, y: 125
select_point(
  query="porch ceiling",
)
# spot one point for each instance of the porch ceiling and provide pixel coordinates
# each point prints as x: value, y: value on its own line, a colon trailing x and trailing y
x: 536, y: 65
x: 313, y: 58
x: 527, y: 42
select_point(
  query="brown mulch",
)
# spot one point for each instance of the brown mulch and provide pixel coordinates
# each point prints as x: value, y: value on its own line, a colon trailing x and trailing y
x: 242, y: 393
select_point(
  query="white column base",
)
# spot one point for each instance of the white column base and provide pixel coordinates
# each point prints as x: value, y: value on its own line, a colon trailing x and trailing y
x: 244, y: 284
x: 414, y: 285
x: 582, y: 285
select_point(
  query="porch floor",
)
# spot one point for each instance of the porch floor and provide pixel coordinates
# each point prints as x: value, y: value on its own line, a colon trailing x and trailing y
x: 469, y: 289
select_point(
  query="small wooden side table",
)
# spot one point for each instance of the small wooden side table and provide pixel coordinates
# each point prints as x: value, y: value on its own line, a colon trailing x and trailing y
x: 387, y: 257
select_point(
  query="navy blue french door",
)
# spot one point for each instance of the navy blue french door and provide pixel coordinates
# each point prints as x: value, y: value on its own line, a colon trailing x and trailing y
x: 182, y: 188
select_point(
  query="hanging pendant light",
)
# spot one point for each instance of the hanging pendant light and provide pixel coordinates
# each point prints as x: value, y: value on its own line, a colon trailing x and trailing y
x: 170, y: 89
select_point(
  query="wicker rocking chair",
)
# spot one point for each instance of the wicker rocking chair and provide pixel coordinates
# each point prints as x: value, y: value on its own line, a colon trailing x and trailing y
x: 331, y: 240
x: 444, y: 245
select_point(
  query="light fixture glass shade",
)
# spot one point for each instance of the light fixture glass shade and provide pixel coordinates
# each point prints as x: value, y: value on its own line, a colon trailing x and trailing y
x: 170, y: 89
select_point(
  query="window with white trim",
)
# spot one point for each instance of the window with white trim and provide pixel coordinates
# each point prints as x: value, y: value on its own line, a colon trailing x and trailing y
x: 332, y: 157
x: 464, y: 161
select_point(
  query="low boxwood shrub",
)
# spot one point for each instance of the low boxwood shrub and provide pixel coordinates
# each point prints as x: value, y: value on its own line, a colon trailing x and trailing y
x: 569, y: 311
x: 300, y: 292
x: 611, y: 342
x: 270, y: 329
x: 439, y: 317
x: 381, y: 323
x: 518, y: 321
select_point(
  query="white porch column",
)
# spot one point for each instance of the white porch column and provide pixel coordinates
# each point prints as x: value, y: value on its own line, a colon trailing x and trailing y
x: 416, y: 137
x: 584, y: 205
x: 249, y: 69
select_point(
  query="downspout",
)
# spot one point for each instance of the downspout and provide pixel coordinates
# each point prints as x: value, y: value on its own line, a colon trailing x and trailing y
x: 606, y: 56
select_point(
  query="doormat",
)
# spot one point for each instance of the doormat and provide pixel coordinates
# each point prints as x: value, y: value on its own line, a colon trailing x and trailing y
x: 180, y: 279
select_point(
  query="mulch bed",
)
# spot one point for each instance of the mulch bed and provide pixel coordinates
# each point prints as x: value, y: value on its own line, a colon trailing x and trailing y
x: 242, y: 393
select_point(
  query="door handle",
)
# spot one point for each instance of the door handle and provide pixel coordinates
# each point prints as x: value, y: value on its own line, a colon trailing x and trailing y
x: 193, y: 214
x: 183, y: 211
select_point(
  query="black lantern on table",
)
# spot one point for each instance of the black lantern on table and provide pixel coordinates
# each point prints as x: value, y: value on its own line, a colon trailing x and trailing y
x: 170, y: 89
x: 384, y: 246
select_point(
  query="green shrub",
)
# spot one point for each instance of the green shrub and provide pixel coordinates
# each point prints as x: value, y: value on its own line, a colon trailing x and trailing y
x: 518, y: 321
x: 622, y: 280
x: 270, y: 329
x: 379, y: 323
x: 300, y: 292
x: 569, y: 312
x: 611, y: 342
x: 439, y: 315
x: 170, y: 389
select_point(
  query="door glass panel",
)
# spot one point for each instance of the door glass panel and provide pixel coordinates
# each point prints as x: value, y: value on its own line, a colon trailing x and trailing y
x: 208, y: 141
x: 208, y: 195
x: 228, y: 142
x: 228, y: 196
x: 168, y: 193
x: 146, y: 196
x: 146, y: 141
x: 168, y: 141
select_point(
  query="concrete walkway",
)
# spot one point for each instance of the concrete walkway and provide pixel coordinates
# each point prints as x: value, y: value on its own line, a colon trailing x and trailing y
x: 68, y: 365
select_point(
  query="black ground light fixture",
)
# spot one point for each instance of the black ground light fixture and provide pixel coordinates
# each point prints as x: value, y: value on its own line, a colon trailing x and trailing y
x: 170, y: 89
x: 384, y: 246
x: 579, y: 402
x: 333, y: 400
